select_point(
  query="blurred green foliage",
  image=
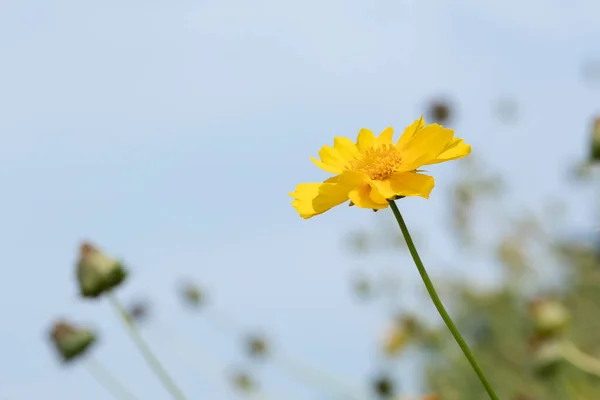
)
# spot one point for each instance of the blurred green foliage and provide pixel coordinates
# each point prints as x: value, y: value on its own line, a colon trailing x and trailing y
x: 536, y: 331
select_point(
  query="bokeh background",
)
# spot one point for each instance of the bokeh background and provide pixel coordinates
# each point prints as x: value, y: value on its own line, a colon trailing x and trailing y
x: 170, y: 133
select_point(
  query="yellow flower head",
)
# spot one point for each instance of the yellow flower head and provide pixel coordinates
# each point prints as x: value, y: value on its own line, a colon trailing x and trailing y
x: 374, y: 169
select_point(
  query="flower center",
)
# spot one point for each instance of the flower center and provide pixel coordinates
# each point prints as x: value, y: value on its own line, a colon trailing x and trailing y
x: 378, y: 162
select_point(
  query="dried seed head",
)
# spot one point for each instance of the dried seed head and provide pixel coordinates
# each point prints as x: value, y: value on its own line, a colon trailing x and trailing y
x: 69, y: 341
x: 97, y: 273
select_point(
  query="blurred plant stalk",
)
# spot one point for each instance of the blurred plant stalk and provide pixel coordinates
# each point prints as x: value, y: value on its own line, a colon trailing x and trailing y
x: 438, y: 303
x: 579, y: 359
x: 308, y: 373
x: 149, y: 356
x: 109, y: 381
x: 182, y: 349
x: 318, y: 378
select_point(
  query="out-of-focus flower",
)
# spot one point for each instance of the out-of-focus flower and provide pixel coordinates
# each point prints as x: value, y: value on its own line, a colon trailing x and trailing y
x: 97, y: 273
x: 394, y: 340
x: 384, y: 387
x: 549, y: 317
x: 440, y: 111
x: 257, y: 346
x: 411, y: 324
x: 374, y: 169
x: 243, y: 381
x: 595, y: 140
x: 512, y: 254
x: 192, y: 295
x: 71, y: 342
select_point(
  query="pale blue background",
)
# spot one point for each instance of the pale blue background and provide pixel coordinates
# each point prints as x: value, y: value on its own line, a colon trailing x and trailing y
x: 170, y: 133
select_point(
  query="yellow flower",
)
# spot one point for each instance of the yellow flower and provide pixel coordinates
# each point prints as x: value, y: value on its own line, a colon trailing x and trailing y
x: 374, y: 169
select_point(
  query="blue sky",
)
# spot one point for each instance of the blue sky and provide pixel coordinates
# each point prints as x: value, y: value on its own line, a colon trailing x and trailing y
x: 171, y: 133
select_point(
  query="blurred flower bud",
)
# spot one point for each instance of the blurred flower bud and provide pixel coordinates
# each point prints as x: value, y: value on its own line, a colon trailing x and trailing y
x: 595, y: 140
x: 394, y: 340
x: 581, y: 170
x: 257, y: 346
x: 358, y: 242
x: 440, y: 111
x: 96, y: 272
x: 384, y: 387
x: 411, y: 325
x: 192, y: 295
x: 71, y: 342
x: 244, y: 382
x: 138, y: 312
x: 481, y: 330
x: 362, y: 287
x: 549, y: 317
x: 548, y: 357
x: 512, y: 254
x: 507, y: 110
x: 591, y: 71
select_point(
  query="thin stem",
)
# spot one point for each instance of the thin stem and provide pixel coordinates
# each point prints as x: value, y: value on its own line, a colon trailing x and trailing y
x: 583, y: 361
x: 438, y: 303
x: 151, y: 359
x: 310, y: 374
x: 318, y: 378
x: 109, y: 381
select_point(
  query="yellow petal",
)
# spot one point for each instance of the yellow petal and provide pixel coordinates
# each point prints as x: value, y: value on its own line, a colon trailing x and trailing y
x: 410, y: 132
x: 361, y: 197
x: 406, y: 184
x: 386, y: 136
x: 384, y: 188
x: 332, y: 157
x: 376, y: 195
x: 458, y: 149
x: 345, y: 147
x: 312, y: 199
x: 426, y: 145
x: 329, y: 168
x: 365, y: 139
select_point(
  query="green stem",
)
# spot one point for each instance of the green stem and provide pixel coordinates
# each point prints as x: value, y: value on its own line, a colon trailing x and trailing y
x: 438, y: 303
x: 151, y: 359
x: 109, y: 381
